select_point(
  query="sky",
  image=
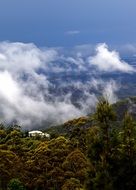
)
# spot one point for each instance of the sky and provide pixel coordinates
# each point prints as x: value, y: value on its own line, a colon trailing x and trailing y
x: 68, y: 23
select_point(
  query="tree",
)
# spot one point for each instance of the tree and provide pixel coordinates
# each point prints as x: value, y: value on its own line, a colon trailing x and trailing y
x: 125, y: 164
x: 8, y: 167
x: 44, y: 167
x: 100, y: 146
x: 76, y: 163
x: 128, y: 135
x: 15, y: 184
x: 104, y: 116
x: 72, y: 184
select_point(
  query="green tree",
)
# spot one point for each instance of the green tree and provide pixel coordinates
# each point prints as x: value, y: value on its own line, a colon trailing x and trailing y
x: 104, y: 118
x: 15, y: 184
x: 44, y: 167
x: 77, y: 165
x: 72, y: 184
x: 100, y: 146
x: 129, y: 135
x: 9, y: 167
x: 125, y: 165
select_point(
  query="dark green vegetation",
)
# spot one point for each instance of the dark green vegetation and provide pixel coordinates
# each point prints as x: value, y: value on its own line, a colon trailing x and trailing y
x: 88, y: 153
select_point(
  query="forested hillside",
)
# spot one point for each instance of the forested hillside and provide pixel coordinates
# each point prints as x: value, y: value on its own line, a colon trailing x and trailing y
x: 88, y: 153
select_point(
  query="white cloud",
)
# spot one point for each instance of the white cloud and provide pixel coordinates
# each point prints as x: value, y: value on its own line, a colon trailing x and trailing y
x: 24, y: 91
x: 24, y: 57
x: 17, y: 104
x: 73, y: 32
x: 109, y: 61
x: 110, y: 90
x: 28, y: 96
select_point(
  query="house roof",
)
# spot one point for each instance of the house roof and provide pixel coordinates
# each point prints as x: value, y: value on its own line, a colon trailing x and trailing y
x: 31, y: 132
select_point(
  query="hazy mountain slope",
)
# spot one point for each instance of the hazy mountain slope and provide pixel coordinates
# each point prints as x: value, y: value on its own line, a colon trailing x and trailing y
x: 121, y: 107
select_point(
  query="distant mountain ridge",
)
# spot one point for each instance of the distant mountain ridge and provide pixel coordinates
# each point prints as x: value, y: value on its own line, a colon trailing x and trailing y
x: 83, y: 123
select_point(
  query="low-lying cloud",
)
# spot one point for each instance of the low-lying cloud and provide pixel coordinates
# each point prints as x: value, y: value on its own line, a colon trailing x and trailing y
x: 41, y: 86
x: 109, y: 61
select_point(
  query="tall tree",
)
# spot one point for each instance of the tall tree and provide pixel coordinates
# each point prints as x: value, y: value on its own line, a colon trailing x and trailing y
x: 103, y: 118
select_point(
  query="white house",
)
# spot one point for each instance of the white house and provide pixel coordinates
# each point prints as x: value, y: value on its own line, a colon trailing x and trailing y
x: 47, y: 135
x: 38, y: 133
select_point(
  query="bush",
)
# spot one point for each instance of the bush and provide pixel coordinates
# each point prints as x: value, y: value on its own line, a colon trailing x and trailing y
x: 15, y: 184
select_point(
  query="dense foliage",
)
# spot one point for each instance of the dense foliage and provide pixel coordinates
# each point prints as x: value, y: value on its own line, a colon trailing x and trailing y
x: 100, y: 156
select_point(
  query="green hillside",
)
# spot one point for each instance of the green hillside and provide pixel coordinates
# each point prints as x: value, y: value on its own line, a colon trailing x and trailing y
x: 87, y: 153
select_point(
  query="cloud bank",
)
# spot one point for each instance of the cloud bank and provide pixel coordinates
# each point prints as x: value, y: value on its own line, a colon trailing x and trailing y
x: 109, y: 61
x: 40, y: 86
